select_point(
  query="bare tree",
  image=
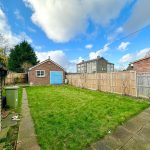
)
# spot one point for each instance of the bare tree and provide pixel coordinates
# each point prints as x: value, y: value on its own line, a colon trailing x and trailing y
x: 4, y: 44
x: 125, y: 89
x: 26, y: 66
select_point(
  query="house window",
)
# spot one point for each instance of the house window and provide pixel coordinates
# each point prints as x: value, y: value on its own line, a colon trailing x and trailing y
x: 40, y: 73
x: 112, y: 67
x: 94, y: 66
x: 78, y: 68
x: 82, y: 68
x: 88, y: 68
x: 108, y: 68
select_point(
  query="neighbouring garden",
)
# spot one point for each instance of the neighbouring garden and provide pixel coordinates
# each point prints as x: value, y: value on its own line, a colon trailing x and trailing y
x: 66, y: 117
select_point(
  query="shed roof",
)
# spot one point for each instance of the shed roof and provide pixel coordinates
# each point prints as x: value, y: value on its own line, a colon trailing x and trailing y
x: 47, y: 60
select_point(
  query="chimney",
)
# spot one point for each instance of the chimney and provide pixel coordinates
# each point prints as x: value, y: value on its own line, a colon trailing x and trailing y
x: 49, y: 57
x: 82, y: 61
x: 98, y: 57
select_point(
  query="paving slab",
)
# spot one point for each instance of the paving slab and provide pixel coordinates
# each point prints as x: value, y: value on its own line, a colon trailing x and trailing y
x: 27, y: 139
x: 122, y: 135
x: 133, y: 125
x: 3, y: 133
x: 137, y: 143
x: 8, y: 122
x: 145, y: 132
x: 133, y: 135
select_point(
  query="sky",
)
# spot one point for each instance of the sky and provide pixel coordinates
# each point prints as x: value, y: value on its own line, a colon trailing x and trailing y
x: 70, y: 31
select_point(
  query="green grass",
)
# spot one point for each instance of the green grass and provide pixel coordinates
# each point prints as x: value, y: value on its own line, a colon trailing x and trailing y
x: 70, y: 118
x: 18, y: 109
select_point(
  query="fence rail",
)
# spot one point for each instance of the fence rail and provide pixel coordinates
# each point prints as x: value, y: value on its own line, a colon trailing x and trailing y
x: 114, y: 82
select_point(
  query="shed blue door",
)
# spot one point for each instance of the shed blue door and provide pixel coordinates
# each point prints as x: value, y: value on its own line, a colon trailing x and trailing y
x: 56, y: 77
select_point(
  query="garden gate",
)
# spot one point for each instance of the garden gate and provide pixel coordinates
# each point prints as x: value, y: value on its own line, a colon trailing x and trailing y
x: 143, y: 85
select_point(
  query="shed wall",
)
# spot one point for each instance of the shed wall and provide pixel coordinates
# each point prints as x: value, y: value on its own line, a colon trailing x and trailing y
x: 47, y: 66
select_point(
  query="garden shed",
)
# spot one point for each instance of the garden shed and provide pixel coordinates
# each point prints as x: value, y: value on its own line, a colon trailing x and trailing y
x: 46, y: 72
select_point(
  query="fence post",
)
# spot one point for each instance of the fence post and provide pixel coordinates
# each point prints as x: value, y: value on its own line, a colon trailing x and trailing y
x: 111, y: 82
x: 97, y: 81
x: 71, y: 79
x: 98, y: 78
x: 136, y: 86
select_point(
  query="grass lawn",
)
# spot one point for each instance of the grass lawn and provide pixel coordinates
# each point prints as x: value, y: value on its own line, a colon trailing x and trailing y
x: 70, y: 118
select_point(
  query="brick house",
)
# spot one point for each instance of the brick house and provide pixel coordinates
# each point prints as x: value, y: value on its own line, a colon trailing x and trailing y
x: 46, y: 72
x: 141, y: 65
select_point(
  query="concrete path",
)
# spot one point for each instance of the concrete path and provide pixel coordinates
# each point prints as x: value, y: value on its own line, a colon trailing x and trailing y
x: 133, y: 135
x: 26, y: 137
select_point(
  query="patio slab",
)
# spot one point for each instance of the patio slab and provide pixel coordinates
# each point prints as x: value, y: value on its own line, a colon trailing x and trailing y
x: 26, y: 138
x: 133, y: 135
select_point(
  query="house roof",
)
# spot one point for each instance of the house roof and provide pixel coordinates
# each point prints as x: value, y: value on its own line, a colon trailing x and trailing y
x: 140, y: 59
x: 98, y: 58
x: 45, y: 62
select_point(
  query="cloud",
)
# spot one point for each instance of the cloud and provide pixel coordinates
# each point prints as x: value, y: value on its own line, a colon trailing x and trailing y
x: 142, y: 53
x: 123, y: 46
x: 59, y: 57
x: 31, y: 29
x: 100, y: 52
x: 60, y: 20
x: 113, y: 35
x: 78, y: 60
x: 139, y: 17
x: 126, y: 58
x: 102, y: 11
x: 119, y: 30
x: 55, y: 55
x: 63, y: 20
x: 89, y: 46
x: 134, y: 56
x: 18, y: 15
x: 37, y: 47
x: 73, y: 63
x: 10, y: 38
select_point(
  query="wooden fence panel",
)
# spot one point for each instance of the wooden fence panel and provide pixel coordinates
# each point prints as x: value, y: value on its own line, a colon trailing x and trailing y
x: 143, y: 85
x: 115, y: 82
x: 13, y: 78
